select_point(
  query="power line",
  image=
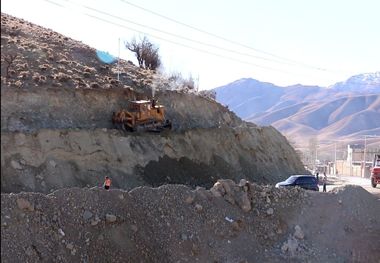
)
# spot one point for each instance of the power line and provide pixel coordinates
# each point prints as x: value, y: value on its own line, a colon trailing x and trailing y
x: 187, y: 46
x: 54, y: 3
x: 220, y: 37
x: 170, y: 41
x: 178, y: 36
x: 183, y: 37
x: 189, y: 39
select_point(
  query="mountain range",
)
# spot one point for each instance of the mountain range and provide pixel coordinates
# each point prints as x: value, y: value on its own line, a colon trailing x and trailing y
x: 347, y: 109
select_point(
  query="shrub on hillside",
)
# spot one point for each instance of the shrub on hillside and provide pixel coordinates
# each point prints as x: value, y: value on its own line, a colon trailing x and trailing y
x: 178, y: 82
x: 208, y: 94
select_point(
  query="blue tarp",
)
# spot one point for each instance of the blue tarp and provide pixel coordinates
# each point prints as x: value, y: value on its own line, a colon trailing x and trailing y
x: 105, y: 57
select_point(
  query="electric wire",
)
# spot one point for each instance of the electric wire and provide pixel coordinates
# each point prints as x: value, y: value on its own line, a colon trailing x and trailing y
x: 220, y: 37
x: 183, y: 37
x: 167, y: 40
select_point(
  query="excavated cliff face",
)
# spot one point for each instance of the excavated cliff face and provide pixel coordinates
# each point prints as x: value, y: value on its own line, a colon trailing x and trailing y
x: 32, y: 109
x: 62, y: 138
x: 57, y: 100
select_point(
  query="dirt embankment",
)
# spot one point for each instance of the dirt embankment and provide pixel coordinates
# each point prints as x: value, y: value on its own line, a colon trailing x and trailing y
x: 52, y: 159
x: 230, y: 223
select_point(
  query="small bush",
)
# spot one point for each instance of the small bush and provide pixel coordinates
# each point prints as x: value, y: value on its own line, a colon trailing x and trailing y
x: 44, y: 67
x: 38, y: 78
x: 18, y: 84
x: 62, y: 77
x: 63, y: 61
x: 89, y: 70
x: 86, y: 74
x: 208, y: 94
x: 105, y: 68
x: 22, y: 66
x: 178, y: 82
x: 94, y: 85
x: 24, y: 75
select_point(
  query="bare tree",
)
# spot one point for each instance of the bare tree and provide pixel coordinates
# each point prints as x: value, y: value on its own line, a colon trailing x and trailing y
x: 9, y: 59
x: 145, y: 52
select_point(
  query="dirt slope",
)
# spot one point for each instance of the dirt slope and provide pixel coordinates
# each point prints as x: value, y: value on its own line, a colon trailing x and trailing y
x: 172, y: 223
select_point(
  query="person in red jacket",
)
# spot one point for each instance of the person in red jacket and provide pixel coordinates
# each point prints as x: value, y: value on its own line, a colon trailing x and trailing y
x: 107, y: 183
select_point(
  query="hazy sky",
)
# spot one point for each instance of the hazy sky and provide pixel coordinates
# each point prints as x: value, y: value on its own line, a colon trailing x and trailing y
x: 285, y: 42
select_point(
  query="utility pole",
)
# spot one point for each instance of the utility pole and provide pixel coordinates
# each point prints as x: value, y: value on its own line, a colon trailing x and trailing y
x: 335, y: 158
x: 364, y: 155
x: 351, y: 153
x: 118, y: 61
x: 316, y: 156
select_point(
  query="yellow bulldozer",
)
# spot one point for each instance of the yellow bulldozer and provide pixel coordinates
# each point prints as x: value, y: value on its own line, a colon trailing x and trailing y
x: 142, y: 115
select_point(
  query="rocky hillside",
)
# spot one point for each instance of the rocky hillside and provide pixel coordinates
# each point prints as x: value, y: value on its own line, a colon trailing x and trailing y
x: 57, y: 100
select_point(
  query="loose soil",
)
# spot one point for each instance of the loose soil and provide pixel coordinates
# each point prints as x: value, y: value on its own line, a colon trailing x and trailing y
x: 230, y: 223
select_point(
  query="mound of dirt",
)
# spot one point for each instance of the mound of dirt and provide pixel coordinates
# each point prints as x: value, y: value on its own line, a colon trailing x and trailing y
x: 229, y: 223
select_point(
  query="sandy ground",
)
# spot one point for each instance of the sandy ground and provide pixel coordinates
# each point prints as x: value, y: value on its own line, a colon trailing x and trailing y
x: 231, y: 222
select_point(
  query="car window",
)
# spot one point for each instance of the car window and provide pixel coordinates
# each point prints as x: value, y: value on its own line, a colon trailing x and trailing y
x: 291, y: 179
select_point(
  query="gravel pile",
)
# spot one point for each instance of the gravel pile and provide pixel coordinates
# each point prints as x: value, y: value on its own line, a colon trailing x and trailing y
x: 231, y: 222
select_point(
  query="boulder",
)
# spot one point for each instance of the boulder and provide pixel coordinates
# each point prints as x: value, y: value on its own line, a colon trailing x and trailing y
x: 24, y: 204
x: 110, y: 218
x: 243, y: 201
x: 298, y: 233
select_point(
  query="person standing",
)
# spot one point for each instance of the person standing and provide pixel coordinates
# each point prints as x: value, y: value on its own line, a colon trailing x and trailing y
x: 324, y: 182
x: 317, y: 177
x: 107, y: 183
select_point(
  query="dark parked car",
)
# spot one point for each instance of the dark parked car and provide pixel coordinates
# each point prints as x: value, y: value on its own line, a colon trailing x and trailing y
x: 307, y: 182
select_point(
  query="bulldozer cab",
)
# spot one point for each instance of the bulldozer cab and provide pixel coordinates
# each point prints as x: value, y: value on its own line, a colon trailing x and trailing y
x: 146, y: 109
x: 142, y: 115
x: 139, y: 105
